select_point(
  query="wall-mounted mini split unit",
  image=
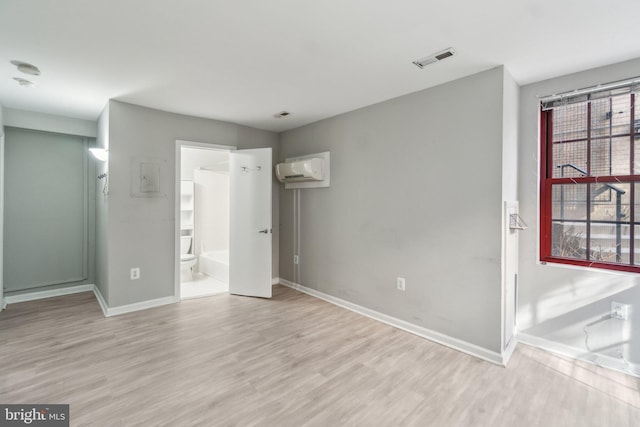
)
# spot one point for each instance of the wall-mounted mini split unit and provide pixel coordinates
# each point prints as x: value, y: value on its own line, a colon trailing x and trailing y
x: 310, y: 171
x: 301, y: 170
x: 436, y: 57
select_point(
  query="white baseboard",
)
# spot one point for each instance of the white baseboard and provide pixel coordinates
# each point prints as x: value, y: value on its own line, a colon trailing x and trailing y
x: 128, y: 308
x: 275, y: 281
x: 101, y: 301
x: 35, y: 295
x: 443, y: 339
x: 580, y: 354
x: 508, y: 352
x: 106, y: 310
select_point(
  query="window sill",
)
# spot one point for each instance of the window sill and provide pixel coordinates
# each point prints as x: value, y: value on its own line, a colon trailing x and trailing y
x: 594, y: 266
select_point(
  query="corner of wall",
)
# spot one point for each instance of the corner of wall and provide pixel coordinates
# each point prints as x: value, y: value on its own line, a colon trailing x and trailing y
x: 1, y: 120
x: 557, y: 303
x: 353, y: 239
x: 510, y: 121
x: 102, y: 206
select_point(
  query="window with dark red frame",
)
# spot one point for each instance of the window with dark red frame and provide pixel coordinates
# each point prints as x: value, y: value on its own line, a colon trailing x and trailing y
x: 590, y: 179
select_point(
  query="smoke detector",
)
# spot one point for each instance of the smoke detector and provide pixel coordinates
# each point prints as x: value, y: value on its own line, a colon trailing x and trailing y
x: 282, y: 114
x: 433, y: 58
x: 26, y: 68
x: 24, y: 82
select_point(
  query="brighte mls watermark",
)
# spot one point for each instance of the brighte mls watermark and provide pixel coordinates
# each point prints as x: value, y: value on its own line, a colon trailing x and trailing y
x: 34, y: 415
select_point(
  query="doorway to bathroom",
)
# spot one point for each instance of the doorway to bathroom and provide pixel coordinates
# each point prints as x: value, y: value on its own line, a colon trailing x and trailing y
x: 204, y: 221
x: 223, y: 220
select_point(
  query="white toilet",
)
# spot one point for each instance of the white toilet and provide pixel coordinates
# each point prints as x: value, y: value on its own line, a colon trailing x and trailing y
x: 187, y: 259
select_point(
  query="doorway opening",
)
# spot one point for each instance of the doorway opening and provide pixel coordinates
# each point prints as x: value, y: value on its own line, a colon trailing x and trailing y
x: 202, y: 219
x: 235, y: 242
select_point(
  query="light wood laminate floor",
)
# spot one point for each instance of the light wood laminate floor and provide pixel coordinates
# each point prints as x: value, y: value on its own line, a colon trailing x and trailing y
x: 290, y: 361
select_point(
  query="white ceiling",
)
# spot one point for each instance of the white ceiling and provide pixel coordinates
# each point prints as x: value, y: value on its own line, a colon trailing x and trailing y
x: 243, y: 61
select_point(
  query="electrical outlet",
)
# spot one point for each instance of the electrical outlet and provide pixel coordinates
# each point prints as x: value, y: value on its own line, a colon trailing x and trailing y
x: 134, y: 274
x: 296, y: 259
x: 400, y: 283
x: 619, y: 310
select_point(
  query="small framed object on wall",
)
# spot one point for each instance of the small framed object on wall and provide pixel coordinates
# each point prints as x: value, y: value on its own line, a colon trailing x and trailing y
x: 148, y: 177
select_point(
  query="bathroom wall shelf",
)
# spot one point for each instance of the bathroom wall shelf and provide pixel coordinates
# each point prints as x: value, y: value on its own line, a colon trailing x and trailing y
x: 186, y: 205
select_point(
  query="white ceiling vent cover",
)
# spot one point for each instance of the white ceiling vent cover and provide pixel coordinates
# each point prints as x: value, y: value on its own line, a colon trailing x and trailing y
x: 436, y: 57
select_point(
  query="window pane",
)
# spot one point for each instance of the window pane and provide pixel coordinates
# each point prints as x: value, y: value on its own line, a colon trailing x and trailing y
x: 601, y: 113
x: 610, y: 242
x: 569, y: 212
x: 569, y: 159
x: 569, y: 202
x: 636, y: 244
x: 610, y: 219
x: 570, y: 122
x: 636, y: 155
x: 621, y: 114
x: 601, y: 153
x: 610, y: 201
x: 610, y: 156
x: 569, y: 240
x: 621, y: 156
x: 611, y: 116
x: 636, y: 121
x: 637, y: 202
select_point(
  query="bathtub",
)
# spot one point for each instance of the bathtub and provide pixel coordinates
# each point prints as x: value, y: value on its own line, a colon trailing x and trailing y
x: 215, y: 264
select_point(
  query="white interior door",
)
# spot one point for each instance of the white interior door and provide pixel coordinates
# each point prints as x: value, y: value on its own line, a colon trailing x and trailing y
x: 250, y: 223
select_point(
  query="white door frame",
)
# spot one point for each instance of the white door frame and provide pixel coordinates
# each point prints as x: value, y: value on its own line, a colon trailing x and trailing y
x: 178, y: 172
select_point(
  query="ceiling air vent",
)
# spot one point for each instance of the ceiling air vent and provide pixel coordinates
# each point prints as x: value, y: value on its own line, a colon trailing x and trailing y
x: 281, y: 114
x: 436, y: 57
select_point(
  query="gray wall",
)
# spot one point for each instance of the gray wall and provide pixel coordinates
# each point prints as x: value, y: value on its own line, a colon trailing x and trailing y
x: 55, y: 124
x: 141, y: 230
x: 557, y: 302
x: 46, y: 238
x: 416, y: 192
x: 50, y: 123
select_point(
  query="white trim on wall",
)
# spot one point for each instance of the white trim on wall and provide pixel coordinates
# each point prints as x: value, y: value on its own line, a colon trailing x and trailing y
x: 103, y: 304
x: 106, y: 310
x: 580, y: 354
x: 508, y: 352
x: 143, y: 305
x: 129, y: 308
x: 454, y: 343
x: 31, y: 296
